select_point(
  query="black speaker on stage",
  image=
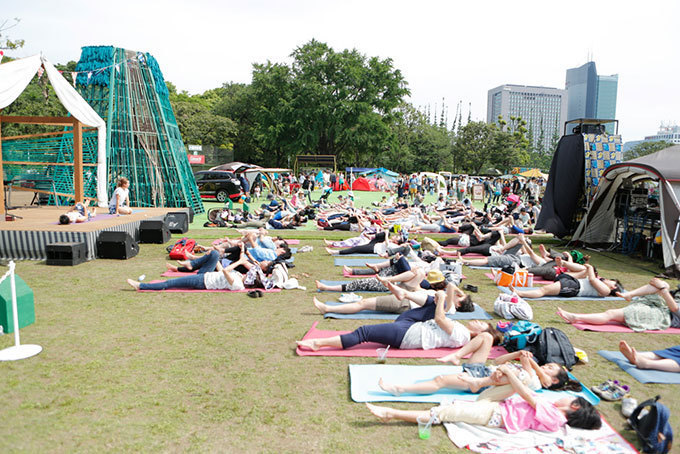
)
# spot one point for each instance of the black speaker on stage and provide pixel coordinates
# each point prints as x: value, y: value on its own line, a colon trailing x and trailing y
x: 116, y: 245
x: 177, y: 221
x: 154, y: 231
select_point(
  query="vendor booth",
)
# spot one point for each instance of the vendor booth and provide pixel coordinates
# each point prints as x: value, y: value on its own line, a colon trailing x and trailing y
x: 635, y: 200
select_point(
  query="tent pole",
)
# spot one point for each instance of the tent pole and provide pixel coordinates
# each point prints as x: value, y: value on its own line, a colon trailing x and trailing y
x: 78, y: 161
x: 2, y: 174
x: 675, y: 236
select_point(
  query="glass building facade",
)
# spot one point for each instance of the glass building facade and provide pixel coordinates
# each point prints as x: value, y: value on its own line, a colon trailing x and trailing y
x: 590, y: 95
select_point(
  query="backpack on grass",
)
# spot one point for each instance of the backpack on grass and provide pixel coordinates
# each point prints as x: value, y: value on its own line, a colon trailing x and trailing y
x: 553, y: 346
x: 653, y: 429
x: 181, y: 247
x: 520, y: 334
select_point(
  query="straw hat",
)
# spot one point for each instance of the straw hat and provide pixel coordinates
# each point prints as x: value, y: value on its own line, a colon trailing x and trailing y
x: 435, y: 277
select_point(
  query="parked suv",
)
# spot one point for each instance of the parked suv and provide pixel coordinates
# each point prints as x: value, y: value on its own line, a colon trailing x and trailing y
x: 218, y: 184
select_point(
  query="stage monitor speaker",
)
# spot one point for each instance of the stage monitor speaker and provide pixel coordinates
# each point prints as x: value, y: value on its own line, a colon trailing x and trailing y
x: 116, y: 245
x: 154, y: 231
x: 66, y: 254
x: 177, y: 221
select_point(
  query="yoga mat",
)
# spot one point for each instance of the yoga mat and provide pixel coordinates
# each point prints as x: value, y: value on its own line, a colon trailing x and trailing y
x: 359, y: 254
x: 345, y: 274
x: 292, y: 242
x: 477, y: 314
x: 368, y: 349
x: 323, y: 281
x: 193, y: 290
x: 475, y: 267
x: 471, y: 255
x: 561, y: 298
x: 641, y: 375
x: 358, y: 262
x: 618, y: 328
x: 537, y: 280
x: 364, y: 384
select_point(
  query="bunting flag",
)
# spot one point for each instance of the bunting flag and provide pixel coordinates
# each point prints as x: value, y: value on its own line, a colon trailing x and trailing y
x: 74, y: 75
x: 2, y: 54
x: 41, y: 70
x: 139, y: 57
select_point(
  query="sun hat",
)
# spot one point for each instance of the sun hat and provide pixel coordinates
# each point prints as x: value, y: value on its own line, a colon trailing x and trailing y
x: 435, y: 277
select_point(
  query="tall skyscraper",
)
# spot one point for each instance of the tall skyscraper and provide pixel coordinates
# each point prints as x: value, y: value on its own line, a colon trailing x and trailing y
x: 590, y: 95
x: 543, y: 108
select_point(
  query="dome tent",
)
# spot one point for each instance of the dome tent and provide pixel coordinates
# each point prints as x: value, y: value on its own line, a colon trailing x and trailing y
x: 362, y: 184
x: 599, y: 223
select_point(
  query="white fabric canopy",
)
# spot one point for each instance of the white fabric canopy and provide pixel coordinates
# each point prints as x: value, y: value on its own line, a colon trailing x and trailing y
x: 15, y: 77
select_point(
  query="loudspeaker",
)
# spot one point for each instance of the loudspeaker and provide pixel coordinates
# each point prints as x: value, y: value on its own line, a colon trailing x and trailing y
x: 154, y: 231
x: 177, y: 221
x: 116, y: 245
x: 66, y: 253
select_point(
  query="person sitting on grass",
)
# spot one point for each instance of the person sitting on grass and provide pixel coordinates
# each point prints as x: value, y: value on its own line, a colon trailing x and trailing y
x: 400, y: 301
x: 425, y: 327
x: 223, y: 278
x: 78, y: 213
x: 581, y: 281
x: 476, y: 377
x: 651, y: 307
x: 515, y: 414
x: 667, y: 360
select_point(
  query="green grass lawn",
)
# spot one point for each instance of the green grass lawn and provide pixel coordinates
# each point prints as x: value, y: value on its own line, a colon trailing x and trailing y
x: 127, y: 371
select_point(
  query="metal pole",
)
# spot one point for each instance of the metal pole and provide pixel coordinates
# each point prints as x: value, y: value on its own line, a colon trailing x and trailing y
x: 15, y: 313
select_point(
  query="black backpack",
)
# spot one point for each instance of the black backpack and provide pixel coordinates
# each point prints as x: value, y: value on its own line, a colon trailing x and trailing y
x: 553, y: 346
x: 653, y: 429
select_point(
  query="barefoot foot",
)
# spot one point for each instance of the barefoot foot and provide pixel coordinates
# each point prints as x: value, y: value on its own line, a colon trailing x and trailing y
x: 629, y: 352
x: 566, y: 316
x: 170, y: 267
x: 381, y: 413
x: 389, y: 388
x: 320, y: 306
x: 308, y: 344
x: 134, y: 284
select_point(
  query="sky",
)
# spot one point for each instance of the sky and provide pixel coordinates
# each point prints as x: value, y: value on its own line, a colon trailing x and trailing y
x: 452, y: 50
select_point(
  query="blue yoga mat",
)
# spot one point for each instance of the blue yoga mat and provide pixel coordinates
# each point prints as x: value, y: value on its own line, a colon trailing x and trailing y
x: 477, y: 314
x: 323, y: 281
x: 575, y: 298
x: 641, y: 375
x: 479, y: 267
x: 358, y: 262
x: 364, y: 384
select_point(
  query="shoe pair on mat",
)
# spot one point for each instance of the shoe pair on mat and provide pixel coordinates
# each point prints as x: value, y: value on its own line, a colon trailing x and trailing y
x: 611, y: 390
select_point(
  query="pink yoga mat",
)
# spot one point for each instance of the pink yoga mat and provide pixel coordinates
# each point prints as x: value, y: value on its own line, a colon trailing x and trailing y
x: 537, y: 280
x: 618, y: 328
x: 346, y: 274
x: 193, y: 290
x: 219, y: 240
x: 169, y: 273
x: 368, y: 349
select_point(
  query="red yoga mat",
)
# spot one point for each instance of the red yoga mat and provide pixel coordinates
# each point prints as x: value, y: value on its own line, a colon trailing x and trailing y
x: 618, y: 328
x: 368, y: 348
x: 169, y: 273
x: 194, y: 290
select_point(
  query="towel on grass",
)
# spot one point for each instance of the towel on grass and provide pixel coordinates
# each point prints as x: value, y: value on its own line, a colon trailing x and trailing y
x: 553, y: 298
x: 364, y: 384
x: 641, y: 375
x: 216, y: 290
x: 487, y: 440
x: 477, y: 314
x: 619, y: 328
x: 368, y: 348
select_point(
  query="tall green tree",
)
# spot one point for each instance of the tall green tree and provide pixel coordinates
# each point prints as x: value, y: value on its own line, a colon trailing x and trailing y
x: 473, y: 145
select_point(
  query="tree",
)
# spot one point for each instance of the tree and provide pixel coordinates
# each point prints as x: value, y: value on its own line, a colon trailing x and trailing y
x: 645, y: 148
x: 5, y: 42
x: 510, y: 145
x: 474, y: 143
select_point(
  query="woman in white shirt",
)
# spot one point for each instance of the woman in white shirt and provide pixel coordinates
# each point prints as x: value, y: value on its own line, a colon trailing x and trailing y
x: 120, y: 200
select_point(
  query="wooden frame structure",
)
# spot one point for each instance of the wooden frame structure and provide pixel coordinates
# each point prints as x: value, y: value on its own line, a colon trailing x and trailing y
x: 78, y: 185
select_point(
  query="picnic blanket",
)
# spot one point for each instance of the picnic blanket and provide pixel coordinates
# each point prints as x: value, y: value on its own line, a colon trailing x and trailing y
x: 641, y: 375
x: 477, y: 314
x: 619, y: 328
x: 195, y: 290
x: 364, y: 384
x: 487, y: 440
x: 537, y: 279
x: 575, y: 298
x: 368, y: 348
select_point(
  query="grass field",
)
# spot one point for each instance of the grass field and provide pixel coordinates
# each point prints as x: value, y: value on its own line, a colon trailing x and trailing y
x: 151, y: 372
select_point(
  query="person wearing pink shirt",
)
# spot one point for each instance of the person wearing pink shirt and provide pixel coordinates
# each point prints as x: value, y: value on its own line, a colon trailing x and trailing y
x: 520, y: 412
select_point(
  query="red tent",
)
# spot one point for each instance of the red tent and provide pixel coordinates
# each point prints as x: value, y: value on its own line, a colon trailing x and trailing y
x: 362, y: 184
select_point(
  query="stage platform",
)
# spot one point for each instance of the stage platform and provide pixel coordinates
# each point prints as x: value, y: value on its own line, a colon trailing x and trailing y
x: 26, y: 238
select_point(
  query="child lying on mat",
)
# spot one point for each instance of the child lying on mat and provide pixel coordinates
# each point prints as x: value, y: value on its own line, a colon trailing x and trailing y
x: 78, y: 213
x: 652, y: 307
x: 514, y: 414
x: 476, y: 376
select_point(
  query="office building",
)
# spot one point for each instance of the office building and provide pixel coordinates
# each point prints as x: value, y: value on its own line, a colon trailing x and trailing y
x: 543, y: 108
x: 590, y: 95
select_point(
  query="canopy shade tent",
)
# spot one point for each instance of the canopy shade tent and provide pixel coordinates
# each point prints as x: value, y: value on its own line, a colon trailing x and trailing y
x: 533, y: 173
x: 15, y: 77
x: 598, y: 225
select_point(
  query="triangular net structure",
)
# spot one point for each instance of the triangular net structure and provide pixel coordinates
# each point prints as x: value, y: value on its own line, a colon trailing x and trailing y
x: 127, y: 89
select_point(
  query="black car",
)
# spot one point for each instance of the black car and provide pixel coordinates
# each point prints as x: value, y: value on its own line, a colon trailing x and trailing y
x: 218, y: 184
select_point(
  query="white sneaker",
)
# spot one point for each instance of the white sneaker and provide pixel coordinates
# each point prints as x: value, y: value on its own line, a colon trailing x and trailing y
x: 628, y: 404
x: 349, y: 298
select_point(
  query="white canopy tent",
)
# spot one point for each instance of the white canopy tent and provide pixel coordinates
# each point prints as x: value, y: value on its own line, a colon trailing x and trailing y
x: 599, y: 223
x: 15, y: 77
